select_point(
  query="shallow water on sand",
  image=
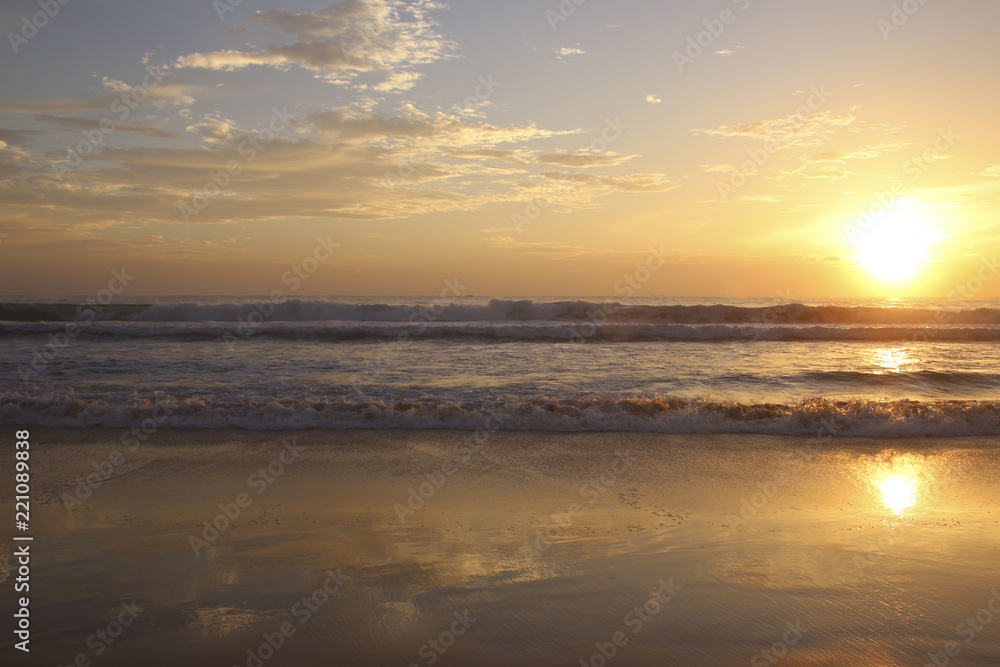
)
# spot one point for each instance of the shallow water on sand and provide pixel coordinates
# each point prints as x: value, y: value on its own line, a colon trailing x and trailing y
x: 698, y: 550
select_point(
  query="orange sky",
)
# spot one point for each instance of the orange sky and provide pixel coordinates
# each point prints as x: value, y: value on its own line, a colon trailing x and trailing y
x: 763, y: 148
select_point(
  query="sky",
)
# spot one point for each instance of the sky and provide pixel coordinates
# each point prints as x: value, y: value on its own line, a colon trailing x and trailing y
x: 544, y: 147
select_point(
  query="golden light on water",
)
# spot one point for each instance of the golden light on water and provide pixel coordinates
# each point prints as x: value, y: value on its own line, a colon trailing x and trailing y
x: 899, y: 491
x: 893, y: 360
x: 898, y: 481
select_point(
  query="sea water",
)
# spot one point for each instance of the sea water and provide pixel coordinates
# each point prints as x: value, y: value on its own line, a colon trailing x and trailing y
x: 887, y: 368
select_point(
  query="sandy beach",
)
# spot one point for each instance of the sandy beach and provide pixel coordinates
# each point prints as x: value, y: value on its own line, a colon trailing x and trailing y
x: 432, y: 547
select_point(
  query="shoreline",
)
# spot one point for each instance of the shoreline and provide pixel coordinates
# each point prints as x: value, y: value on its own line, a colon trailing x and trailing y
x: 62, y: 434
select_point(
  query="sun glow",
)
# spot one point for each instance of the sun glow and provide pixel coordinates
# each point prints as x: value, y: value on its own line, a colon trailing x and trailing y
x: 898, y: 480
x: 896, y: 243
x: 899, y: 491
x: 893, y: 359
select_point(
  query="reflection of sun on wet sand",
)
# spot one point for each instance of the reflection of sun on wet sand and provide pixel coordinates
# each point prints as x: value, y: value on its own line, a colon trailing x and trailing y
x: 873, y: 554
x: 898, y: 492
x: 901, y: 479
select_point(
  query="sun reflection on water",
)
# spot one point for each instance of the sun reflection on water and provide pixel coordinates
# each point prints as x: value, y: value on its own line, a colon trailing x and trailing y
x: 899, y: 491
x: 898, y: 480
x: 893, y: 359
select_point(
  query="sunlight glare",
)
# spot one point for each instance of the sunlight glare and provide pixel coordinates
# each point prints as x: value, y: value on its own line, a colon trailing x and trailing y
x: 893, y: 360
x: 899, y: 491
x: 897, y: 480
x: 898, y: 242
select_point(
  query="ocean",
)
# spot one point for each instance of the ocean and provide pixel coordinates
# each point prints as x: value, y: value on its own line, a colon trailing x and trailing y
x: 852, y: 367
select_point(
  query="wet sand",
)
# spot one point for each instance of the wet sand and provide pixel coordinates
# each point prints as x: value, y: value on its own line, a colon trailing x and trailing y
x: 415, y: 548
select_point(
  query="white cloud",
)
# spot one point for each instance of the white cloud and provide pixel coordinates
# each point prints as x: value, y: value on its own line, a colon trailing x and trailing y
x: 729, y: 52
x: 565, y: 53
x: 214, y: 128
x: 114, y: 84
x: 343, y: 41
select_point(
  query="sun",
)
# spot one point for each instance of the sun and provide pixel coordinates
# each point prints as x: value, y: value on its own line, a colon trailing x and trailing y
x: 897, y: 243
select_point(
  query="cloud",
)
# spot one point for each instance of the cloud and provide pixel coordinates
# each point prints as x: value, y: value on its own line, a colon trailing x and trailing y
x: 992, y: 170
x: 516, y: 157
x: 827, y: 174
x: 18, y: 137
x: 831, y: 165
x: 768, y: 199
x: 653, y: 99
x: 115, y: 84
x: 860, y: 153
x: 583, y: 159
x: 12, y: 160
x: 714, y: 168
x: 388, y: 37
x: 76, y: 123
x: 347, y: 123
x: 729, y: 52
x: 341, y: 163
x: 170, y: 92
x: 214, y: 128
x: 632, y: 183
x: 566, y: 52
x: 831, y: 170
x: 552, y: 249
x: 347, y: 162
x: 56, y: 104
x: 795, y: 129
x: 413, y: 125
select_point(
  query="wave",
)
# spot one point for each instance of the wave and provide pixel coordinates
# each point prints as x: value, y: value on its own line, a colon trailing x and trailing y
x: 496, y: 310
x: 946, y: 380
x: 905, y: 418
x: 232, y: 333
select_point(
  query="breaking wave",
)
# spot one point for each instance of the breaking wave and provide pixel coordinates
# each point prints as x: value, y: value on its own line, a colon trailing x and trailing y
x: 506, y: 330
x: 497, y: 311
x: 815, y: 417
